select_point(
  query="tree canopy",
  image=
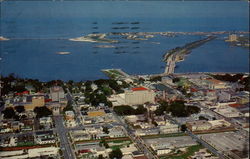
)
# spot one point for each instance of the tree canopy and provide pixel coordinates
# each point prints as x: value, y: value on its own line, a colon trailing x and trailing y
x: 20, y: 108
x: 9, y: 113
x: 116, y: 153
x: 177, y: 109
x: 42, y: 112
x: 128, y: 110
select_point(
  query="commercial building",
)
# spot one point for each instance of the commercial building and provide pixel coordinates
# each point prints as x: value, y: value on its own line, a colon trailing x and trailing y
x: 169, y: 128
x: 57, y: 93
x: 215, y: 84
x: 165, y: 145
x: 199, y: 125
x: 30, y: 153
x: 30, y: 102
x: 203, y: 125
x: 139, y: 95
x: 45, y: 137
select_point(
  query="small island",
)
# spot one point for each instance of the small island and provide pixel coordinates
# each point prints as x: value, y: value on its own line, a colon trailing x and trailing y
x: 98, y: 38
x: 3, y: 38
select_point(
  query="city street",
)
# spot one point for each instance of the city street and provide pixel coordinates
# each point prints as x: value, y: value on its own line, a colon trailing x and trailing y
x: 64, y: 141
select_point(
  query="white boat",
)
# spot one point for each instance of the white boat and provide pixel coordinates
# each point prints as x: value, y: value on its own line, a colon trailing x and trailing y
x: 63, y: 53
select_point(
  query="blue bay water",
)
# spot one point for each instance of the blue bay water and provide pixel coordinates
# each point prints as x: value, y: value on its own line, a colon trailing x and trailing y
x: 37, y: 30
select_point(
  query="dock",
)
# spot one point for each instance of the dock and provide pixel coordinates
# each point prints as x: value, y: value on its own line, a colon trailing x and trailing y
x: 115, y: 73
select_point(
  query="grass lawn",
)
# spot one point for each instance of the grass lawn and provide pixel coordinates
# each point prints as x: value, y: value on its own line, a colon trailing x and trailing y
x: 122, y: 144
x: 190, y: 151
x: 21, y: 144
x: 163, y: 135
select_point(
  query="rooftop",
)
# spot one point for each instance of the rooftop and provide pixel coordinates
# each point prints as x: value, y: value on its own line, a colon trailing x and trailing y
x: 139, y: 89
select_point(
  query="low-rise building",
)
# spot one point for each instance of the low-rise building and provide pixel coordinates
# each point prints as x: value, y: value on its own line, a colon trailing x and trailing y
x: 69, y: 115
x: 45, y: 121
x: 45, y: 137
x: 150, y: 131
x: 203, y: 125
x: 79, y: 135
x: 30, y: 153
x: 169, y: 128
x: 216, y: 84
x: 228, y: 112
x: 199, y: 125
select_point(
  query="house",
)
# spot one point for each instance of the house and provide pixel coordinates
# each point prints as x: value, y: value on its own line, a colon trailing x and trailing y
x: 69, y: 115
x: 79, y: 135
x: 117, y: 131
x: 45, y: 137
x: 45, y: 121
x: 163, y: 151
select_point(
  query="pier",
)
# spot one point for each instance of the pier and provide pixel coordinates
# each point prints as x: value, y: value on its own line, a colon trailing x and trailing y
x: 115, y: 73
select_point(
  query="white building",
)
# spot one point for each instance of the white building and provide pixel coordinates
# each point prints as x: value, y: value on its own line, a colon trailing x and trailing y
x: 163, y: 151
x: 169, y: 128
x: 139, y: 95
x: 56, y: 93
x: 228, y: 112
x: 30, y: 153
x: 116, y: 132
x: 45, y: 121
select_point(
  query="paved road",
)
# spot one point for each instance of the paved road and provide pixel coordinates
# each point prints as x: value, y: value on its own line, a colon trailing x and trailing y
x: 206, y: 145
x: 137, y: 140
x: 197, y: 139
x: 64, y: 141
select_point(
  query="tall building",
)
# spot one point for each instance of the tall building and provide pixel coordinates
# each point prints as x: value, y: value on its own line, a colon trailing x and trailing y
x: 57, y: 93
x: 232, y: 37
x: 139, y: 95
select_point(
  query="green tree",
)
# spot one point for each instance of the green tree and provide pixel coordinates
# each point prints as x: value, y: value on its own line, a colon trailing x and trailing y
x: 124, y: 110
x: 100, y: 157
x: 177, y: 109
x: 193, y: 110
x: 202, y: 118
x: 42, y: 112
x: 183, y: 128
x: 105, y: 130
x: 164, y: 107
x: 69, y: 107
x: 20, y: 108
x: 116, y: 153
x: 9, y: 113
x: 140, y: 110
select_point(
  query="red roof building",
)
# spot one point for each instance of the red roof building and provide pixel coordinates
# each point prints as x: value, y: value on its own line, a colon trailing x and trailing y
x: 234, y: 105
x: 84, y: 151
x: 22, y: 93
x: 139, y: 89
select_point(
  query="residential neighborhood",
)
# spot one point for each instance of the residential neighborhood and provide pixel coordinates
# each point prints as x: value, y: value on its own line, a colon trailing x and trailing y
x: 131, y: 117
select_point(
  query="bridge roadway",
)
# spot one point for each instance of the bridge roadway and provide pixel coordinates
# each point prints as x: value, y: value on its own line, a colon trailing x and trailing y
x: 196, y: 73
